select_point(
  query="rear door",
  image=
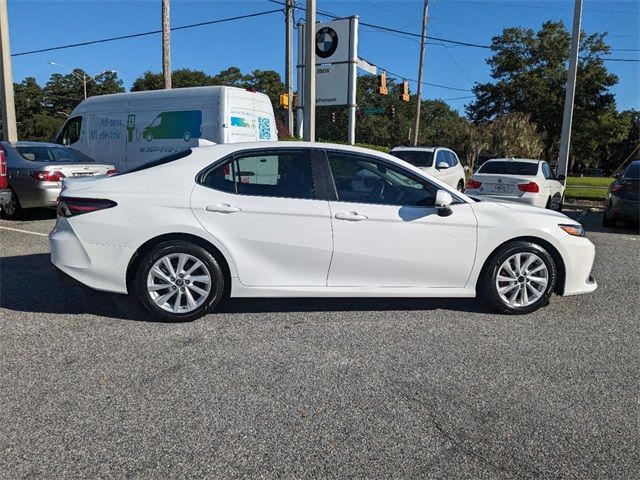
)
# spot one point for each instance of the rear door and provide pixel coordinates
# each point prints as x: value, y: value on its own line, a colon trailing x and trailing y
x: 265, y: 208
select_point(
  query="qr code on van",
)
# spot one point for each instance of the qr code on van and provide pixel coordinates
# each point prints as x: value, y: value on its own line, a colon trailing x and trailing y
x: 264, y: 128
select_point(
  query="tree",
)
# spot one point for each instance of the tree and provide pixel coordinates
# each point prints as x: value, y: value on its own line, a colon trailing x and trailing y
x: 180, y: 78
x: 530, y: 74
x: 64, y: 92
x: 513, y: 135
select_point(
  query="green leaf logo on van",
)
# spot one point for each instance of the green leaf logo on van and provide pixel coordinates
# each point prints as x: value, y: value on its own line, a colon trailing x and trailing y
x: 185, y: 124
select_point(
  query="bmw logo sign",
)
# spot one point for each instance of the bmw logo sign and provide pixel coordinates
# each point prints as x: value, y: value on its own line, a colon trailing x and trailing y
x: 326, y: 42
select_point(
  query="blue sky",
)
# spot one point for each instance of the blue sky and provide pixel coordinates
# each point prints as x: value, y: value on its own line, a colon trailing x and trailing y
x: 258, y: 43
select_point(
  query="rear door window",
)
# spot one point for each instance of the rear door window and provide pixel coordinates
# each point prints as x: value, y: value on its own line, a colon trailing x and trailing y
x: 442, y: 157
x: 285, y: 173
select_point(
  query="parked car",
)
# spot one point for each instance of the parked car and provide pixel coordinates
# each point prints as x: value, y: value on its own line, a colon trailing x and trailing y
x: 518, y: 180
x: 593, y: 172
x: 134, y: 128
x: 439, y: 162
x: 623, y: 200
x: 35, y: 171
x: 185, y: 231
x: 5, y: 192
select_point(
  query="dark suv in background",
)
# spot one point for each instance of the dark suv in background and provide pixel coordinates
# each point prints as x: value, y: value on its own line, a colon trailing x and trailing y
x: 623, y: 200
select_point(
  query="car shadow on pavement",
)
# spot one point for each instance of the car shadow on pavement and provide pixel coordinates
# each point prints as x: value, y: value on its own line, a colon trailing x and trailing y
x: 29, y: 284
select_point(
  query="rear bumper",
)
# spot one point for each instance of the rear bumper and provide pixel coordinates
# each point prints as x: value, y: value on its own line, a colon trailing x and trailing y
x: 102, y: 267
x: 45, y: 195
x: 5, y: 196
x: 621, y: 209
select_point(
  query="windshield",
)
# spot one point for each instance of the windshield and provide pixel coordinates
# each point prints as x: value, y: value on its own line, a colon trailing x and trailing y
x: 416, y: 158
x: 633, y: 171
x: 510, y: 168
x: 52, y: 154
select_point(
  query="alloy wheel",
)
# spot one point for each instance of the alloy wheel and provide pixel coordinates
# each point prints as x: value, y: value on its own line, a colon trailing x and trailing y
x: 179, y: 283
x: 522, y: 279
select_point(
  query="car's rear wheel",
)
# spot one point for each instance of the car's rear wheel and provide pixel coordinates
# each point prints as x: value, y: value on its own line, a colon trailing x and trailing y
x: 179, y: 281
x: 519, y: 278
x: 12, y: 210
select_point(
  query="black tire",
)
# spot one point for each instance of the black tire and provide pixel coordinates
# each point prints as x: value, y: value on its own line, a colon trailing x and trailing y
x: 608, y: 222
x: 461, y: 186
x: 487, y: 290
x: 215, y: 271
x: 548, y: 205
x: 12, y: 210
x: 561, y: 204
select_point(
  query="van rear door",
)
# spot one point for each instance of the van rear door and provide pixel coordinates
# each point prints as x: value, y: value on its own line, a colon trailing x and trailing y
x: 248, y: 117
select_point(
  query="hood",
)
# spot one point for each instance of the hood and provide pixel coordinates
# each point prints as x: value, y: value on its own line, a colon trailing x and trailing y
x: 519, y: 211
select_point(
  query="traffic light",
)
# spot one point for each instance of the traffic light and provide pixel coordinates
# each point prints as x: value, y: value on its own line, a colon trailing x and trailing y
x: 333, y: 117
x: 284, y: 101
x: 382, y: 84
x: 405, y: 91
x: 392, y: 111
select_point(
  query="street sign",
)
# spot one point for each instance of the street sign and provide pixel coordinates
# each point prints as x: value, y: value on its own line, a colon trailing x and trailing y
x: 374, y: 111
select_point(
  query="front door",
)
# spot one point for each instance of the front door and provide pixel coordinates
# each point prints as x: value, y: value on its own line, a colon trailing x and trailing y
x: 262, y: 207
x: 387, y: 232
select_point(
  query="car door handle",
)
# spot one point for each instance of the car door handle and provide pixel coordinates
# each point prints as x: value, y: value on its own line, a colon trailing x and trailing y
x: 351, y: 216
x: 222, y: 208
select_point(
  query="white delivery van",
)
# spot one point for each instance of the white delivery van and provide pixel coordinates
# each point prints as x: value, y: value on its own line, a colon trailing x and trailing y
x: 131, y: 129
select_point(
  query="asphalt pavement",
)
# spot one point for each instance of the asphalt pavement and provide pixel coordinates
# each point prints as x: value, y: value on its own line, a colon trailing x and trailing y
x: 435, y: 389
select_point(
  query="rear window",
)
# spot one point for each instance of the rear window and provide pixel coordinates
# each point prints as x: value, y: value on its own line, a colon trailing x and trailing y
x: 52, y: 154
x: 161, y: 161
x: 633, y: 171
x: 510, y: 168
x: 415, y: 158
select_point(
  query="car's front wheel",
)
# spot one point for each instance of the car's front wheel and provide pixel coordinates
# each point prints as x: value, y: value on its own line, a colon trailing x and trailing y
x: 519, y: 278
x: 179, y: 281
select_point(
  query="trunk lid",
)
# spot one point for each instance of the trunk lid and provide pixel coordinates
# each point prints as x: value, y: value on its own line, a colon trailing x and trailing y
x: 76, y: 170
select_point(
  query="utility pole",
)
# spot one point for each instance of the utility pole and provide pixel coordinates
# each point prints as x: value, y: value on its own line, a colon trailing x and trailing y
x: 9, y: 130
x: 567, y: 118
x: 166, y: 44
x: 288, y: 64
x: 310, y: 73
x: 423, y: 41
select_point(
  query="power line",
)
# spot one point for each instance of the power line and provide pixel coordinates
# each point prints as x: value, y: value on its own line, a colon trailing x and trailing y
x: 143, y: 34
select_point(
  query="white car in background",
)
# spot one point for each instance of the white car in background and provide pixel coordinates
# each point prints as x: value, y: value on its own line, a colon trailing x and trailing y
x: 518, y: 180
x: 438, y: 162
x: 295, y: 219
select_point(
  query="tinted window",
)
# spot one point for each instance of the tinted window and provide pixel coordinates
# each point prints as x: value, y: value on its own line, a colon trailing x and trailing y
x: 451, y: 159
x: 441, y: 156
x: 52, y: 154
x: 415, y: 157
x: 271, y: 174
x: 633, y: 171
x: 71, y: 132
x: 366, y: 180
x: 509, y: 168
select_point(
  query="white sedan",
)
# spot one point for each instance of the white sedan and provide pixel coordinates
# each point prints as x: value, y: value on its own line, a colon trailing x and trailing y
x: 531, y: 182
x: 304, y: 220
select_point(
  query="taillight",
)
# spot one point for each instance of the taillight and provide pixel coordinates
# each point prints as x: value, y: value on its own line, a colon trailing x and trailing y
x: 531, y: 187
x: 70, y: 207
x: 473, y: 184
x: 616, y: 187
x: 47, y: 176
x: 4, y: 183
x: 111, y: 171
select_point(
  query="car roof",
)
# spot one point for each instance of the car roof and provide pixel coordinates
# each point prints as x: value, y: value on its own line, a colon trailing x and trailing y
x: 415, y: 149
x: 522, y: 160
x: 36, y: 144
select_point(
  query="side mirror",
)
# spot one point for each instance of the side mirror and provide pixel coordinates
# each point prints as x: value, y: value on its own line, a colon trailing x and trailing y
x: 617, y: 175
x: 442, y: 166
x: 443, y: 200
x: 561, y: 178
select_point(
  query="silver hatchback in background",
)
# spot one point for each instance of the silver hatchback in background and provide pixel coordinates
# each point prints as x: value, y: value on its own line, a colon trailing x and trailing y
x: 35, y: 171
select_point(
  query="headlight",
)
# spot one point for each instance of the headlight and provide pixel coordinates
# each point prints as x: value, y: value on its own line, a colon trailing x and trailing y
x: 573, y: 229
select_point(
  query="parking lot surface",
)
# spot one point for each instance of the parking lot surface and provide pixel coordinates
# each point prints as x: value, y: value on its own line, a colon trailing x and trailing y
x: 89, y: 387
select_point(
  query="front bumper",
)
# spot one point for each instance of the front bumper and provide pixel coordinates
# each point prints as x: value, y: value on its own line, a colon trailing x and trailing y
x: 578, y: 259
x: 5, y: 196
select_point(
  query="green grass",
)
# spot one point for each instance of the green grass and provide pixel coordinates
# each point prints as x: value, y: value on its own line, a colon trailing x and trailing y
x: 586, y: 193
x: 589, y: 181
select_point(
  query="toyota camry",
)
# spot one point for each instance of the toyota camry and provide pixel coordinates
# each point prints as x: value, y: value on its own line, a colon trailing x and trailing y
x: 293, y: 219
